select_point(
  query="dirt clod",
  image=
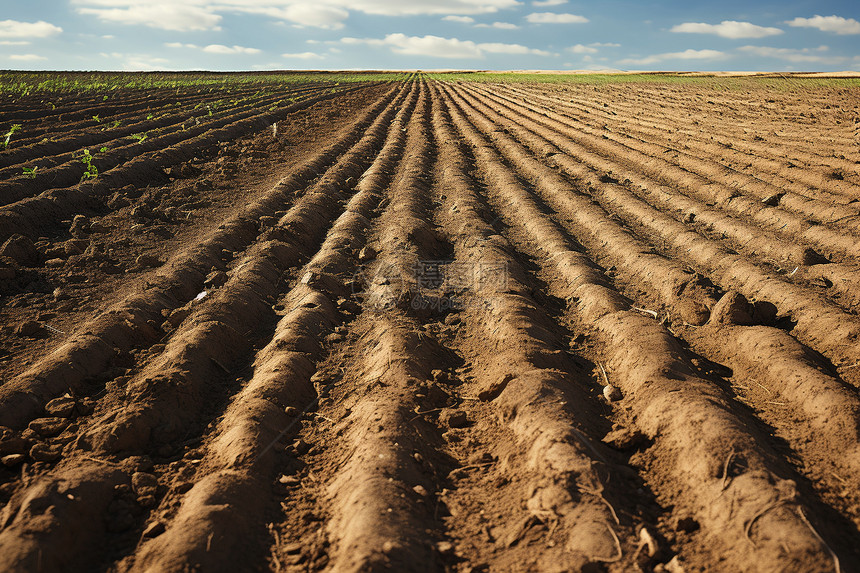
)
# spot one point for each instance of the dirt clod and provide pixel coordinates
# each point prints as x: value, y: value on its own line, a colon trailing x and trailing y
x: 732, y: 308
x: 61, y: 407
x: 29, y: 329
x: 48, y: 427
x: 21, y: 250
x: 453, y: 418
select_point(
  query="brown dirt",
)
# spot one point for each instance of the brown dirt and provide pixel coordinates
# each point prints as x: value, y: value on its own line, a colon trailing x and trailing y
x: 435, y: 327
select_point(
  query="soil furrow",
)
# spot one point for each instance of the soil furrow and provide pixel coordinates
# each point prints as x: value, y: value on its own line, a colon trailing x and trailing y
x: 649, y: 171
x: 247, y: 446
x: 637, y: 349
x: 556, y: 472
x: 761, y: 160
x: 127, y: 324
x: 30, y: 215
x: 819, y: 323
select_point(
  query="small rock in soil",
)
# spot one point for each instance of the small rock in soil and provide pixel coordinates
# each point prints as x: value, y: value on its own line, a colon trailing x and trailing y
x: 28, y: 329
x: 453, y: 418
x: 445, y: 547
x: 47, y: 427
x: 54, y: 263
x: 12, y: 460
x: 291, y: 411
x: 154, y: 529
x: 44, y: 453
x: 144, y: 483
x: 611, y: 393
x: 420, y: 490
x: 289, y: 480
x: 60, y: 407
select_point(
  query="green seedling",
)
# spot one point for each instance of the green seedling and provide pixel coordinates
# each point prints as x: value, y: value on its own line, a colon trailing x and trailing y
x: 97, y: 119
x: 149, y: 116
x: 139, y: 137
x: 103, y: 149
x: 92, y: 171
x: 115, y: 123
x: 30, y: 172
x: 10, y: 133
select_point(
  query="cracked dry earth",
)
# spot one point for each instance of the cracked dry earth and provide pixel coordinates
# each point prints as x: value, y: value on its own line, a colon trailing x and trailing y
x: 439, y: 326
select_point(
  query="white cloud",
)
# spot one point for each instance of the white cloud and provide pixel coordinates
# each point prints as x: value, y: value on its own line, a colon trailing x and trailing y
x: 144, y: 64
x: 190, y: 15
x: 419, y: 7
x: 498, y: 25
x: 15, y: 29
x: 604, y: 45
x: 497, y: 48
x: 220, y: 49
x: 543, y: 3
x: 727, y: 29
x: 317, y: 15
x: 461, y: 19
x: 442, y: 47
x: 26, y: 57
x: 304, y: 56
x: 180, y: 45
x: 580, y: 49
x: 835, y: 24
x: 14, y: 43
x: 553, y: 18
x: 685, y: 55
x: 804, y: 55
x: 177, y: 17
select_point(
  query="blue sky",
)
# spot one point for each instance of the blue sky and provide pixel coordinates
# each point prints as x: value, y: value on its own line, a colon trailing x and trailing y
x: 449, y: 34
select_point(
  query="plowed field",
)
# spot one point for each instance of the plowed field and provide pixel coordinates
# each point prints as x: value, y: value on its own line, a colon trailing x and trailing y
x: 432, y: 326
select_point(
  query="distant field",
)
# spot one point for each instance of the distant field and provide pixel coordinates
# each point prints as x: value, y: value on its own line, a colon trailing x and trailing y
x: 68, y: 82
x: 746, y: 81
x: 306, y: 322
